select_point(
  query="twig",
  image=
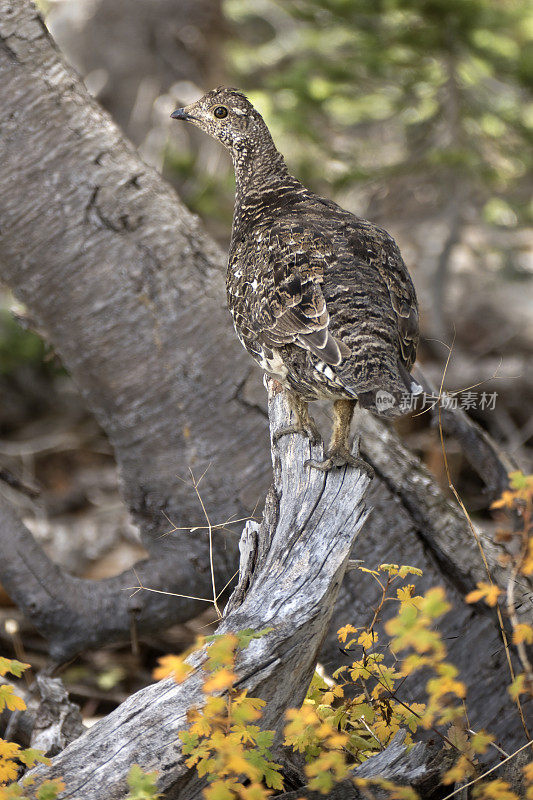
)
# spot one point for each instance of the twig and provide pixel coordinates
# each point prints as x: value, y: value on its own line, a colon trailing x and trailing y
x: 484, y: 775
x: 196, y: 483
x: 160, y: 591
x: 141, y: 587
x: 492, y: 744
x: 478, y: 540
x: 511, y: 610
x: 218, y: 526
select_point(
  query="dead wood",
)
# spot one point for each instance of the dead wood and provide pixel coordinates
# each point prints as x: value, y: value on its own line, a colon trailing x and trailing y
x: 299, y: 553
x: 50, y: 721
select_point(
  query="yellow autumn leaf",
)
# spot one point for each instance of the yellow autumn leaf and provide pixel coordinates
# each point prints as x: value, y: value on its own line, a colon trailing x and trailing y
x: 221, y: 651
x: 8, y: 767
x: 172, y: 666
x: 523, y: 633
x: 8, y: 771
x: 480, y: 741
x: 254, y: 791
x: 505, y: 501
x: 342, y: 633
x: 497, y: 789
x: 392, y: 569
x: 329, y: 696
x: 238, y: 764
x: 337, y: 740
x: 485, y: 591
x: 366, y: 639
x: 219, y: 790
x: 460, y: 770
x: 215, y: 706
x: 10, y: 700
x: 405, y: 592
x: 8, y: 749
x: 200, y: 726
x: 221, y: 679
x: 12, y: 666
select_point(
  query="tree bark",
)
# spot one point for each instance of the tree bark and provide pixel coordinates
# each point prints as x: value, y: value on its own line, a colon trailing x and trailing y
x: 123, y: 281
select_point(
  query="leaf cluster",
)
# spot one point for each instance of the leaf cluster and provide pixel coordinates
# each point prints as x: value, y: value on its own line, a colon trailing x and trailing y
x: 222, y: 740
x: 516, y: 507
x: 343, y: 720
x: 12, y: 756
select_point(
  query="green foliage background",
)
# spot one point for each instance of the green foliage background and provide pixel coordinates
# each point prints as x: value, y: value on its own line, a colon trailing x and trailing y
x: 391, y: 93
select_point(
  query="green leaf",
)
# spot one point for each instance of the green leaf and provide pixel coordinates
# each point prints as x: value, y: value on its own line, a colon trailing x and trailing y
x: 142, y: 785
x: 517, y: 687
x: 517, y: 480
x: 12, y: 666
x: 263, y: 740
x: 404, y: 570
x: 220, y: 790
x: 245, y: 636
x: 49, y: 790
x: 31, y: 756
x: 268, y: 769
x: 12, y: 792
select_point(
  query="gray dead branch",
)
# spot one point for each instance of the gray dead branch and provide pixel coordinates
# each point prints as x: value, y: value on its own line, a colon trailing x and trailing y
x: 50, y: 721
x: 299, y: 554
x: 291, y: 569
x: 421, y: 768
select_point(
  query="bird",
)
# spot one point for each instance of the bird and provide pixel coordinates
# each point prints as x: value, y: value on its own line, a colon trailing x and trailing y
x: 320, y: 298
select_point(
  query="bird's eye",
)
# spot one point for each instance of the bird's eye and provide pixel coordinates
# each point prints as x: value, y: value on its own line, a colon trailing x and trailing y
x: 220, y: 112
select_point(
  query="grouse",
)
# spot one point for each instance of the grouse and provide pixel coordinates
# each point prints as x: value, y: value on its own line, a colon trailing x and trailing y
x: 320, y: 298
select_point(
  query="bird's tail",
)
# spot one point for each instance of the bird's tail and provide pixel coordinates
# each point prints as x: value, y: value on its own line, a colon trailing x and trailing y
x: 391, y: 400
x: 411, y: 385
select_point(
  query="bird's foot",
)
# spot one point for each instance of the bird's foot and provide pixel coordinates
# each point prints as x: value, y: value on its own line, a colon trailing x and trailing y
x: 341, y: 457
x: 307, y: 428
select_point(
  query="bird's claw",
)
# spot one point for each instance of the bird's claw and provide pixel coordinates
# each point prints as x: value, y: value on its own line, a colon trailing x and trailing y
x: 310, y: 430
x: 341, y: 458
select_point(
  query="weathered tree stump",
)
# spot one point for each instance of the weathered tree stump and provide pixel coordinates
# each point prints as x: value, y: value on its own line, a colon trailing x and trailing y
x: 291, y: 570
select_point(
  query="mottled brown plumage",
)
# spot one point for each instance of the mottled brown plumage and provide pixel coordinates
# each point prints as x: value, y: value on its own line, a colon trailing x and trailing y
x: 320, y: 298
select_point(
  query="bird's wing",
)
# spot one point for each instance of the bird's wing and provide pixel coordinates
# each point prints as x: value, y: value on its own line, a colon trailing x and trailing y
x: 392, y: 270
x: 394, y: 274
x: 292, y: 308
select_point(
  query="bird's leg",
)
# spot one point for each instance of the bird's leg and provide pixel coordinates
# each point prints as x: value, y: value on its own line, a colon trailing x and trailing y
x: 338, y: 453
x: 304, y: 424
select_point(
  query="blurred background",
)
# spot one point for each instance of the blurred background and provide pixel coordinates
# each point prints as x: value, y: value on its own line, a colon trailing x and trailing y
x: 417, y: 114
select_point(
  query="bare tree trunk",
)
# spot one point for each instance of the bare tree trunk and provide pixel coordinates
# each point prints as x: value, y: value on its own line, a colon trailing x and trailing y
x: 120, y: 277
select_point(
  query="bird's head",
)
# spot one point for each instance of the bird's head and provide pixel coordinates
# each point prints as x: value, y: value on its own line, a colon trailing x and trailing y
x: 229, y: 116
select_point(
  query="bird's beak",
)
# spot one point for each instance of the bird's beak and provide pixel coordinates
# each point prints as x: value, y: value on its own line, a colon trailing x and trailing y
x: 181, y: 113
